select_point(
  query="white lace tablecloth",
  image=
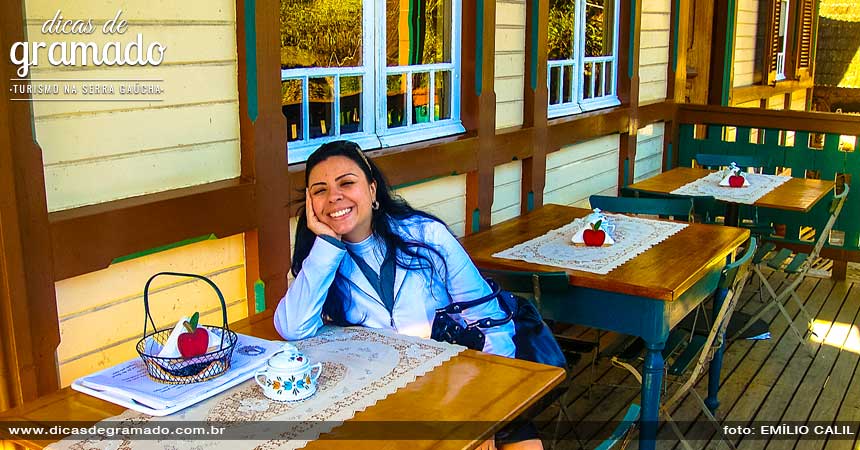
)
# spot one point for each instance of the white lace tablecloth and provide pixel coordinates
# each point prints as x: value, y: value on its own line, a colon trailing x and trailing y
x: 361, y: 366
x: 633, y: 235
x: 710, y: 185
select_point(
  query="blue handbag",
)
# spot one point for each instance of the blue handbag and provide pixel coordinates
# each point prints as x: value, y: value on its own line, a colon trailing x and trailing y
x: 533, y: 339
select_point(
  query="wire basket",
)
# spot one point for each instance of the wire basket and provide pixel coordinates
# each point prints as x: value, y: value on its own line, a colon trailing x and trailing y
x: 184, y: 370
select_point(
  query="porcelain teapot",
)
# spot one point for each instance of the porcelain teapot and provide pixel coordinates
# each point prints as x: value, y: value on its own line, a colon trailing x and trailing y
x: 288, y: 376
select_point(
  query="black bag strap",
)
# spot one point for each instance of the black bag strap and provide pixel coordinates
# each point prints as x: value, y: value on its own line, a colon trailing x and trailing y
x: 458, y: 307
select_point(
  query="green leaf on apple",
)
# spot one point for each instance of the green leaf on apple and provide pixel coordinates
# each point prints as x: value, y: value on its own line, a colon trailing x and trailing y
x: 597, y: 224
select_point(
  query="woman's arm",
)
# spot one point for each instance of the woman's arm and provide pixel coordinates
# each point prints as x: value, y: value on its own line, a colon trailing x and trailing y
x: 464, y: 282
x: 298, y: 315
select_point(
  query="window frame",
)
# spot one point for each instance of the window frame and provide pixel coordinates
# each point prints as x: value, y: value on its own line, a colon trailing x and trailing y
x: 578, y: 61
x: 375, y: 132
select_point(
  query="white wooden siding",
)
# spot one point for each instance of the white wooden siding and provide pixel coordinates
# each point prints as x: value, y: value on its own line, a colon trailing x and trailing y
x: 654, y: 50
x: 649, y: 152
x: 101, y: 151
x: 745, y: 40
x: 506, y: 197
x: 510, y: 62
x: 101, y: 313
x: 444, y: 197
x: 578, y: 171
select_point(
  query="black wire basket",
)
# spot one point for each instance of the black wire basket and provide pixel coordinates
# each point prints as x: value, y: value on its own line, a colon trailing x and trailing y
x: 184, y: 370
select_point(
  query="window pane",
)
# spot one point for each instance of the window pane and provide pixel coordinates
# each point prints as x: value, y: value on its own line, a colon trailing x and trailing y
x: 350, y: 105
x: 554, y: 85
x: 420, y: 97
x: 562, y: 20
x: 568, y: 84
x: 320, y: 33
x: 588, y: 72
x: 396, y: 109
x: 442, y: 96
x: 599, y: 27
x: 598, y: 80
x: 607, y: 83
x: 321, y: 107
x: 418, y: 32
x: 291, y: 105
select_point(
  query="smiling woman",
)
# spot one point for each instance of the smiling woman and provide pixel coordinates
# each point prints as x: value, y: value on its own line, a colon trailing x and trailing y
x: 365, y: 257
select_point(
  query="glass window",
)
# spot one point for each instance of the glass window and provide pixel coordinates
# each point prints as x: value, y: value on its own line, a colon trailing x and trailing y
x: 582, y: 55
x: 380, y: 75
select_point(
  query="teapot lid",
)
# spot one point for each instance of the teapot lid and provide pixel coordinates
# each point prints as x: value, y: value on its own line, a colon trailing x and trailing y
x: 288, y: 358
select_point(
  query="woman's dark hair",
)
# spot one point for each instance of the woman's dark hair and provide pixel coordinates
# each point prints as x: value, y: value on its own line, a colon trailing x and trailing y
x: 389, y: 205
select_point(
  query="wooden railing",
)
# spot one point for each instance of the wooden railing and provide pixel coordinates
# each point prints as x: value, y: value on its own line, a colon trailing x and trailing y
x: 810, y: 145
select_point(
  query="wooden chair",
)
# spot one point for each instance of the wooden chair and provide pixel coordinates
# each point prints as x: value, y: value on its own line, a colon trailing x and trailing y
x: 540, y: 286
x: 796, y: 266
x: 702, y: 351
x: 704, y: 206
x: 677, y: 208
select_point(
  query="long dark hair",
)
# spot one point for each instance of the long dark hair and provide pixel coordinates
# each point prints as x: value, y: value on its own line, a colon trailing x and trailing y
x: 408, y: 252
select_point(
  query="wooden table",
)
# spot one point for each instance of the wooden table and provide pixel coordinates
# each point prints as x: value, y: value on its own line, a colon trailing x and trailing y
x: 796, y: 194
x: 646, y: 296
x: 473, y: 388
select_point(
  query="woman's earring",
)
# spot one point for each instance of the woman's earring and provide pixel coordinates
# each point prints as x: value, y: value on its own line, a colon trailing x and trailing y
x: 375, y: 205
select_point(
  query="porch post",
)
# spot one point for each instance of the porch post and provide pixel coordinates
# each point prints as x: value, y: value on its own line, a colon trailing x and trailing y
x: 28, y: 305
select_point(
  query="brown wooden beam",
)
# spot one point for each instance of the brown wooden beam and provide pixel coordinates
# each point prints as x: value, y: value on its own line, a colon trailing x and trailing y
x: 28, y: 301
x: 570, y: 130
x: 758, y: 91
x: 487, y: 112
x: 88, y: 238
x: 536, y: 103
x: 272, y: 193
x: 820, y: 122
x: 677, y: 70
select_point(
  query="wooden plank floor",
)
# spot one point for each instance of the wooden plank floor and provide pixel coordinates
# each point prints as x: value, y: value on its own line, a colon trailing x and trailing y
x: 773, y: 381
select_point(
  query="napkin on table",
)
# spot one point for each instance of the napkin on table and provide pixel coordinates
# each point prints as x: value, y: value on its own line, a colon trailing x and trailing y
x: 590, y: 220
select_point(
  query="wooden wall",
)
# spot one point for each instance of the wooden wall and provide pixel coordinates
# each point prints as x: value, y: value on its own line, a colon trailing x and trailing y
x: 510, y: 62
x: 101, y: 313
x: 747, y: 32
x: 578, y: 171
x: 654, y: 50
x: 95, y: 152
x: 649, y: 151
x: 189, y: 138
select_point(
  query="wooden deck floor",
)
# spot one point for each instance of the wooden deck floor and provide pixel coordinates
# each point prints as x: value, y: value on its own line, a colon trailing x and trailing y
x: 772, y: 381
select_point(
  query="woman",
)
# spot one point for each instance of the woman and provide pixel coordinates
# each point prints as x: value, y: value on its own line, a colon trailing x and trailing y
x: 365, y: 257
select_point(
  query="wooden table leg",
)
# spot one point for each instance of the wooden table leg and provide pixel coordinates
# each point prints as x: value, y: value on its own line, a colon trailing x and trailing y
x: 651, y: 383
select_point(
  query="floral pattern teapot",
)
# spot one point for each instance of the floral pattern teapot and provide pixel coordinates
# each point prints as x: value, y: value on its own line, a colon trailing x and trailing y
x: 288, y: 376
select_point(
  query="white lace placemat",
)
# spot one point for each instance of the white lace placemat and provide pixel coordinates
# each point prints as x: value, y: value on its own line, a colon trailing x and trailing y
x: 710, y: 185
x: 633, y: 235
x: 361, y: 366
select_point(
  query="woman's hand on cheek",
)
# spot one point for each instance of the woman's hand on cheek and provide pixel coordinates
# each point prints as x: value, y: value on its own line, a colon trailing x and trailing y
x: 314, y: 224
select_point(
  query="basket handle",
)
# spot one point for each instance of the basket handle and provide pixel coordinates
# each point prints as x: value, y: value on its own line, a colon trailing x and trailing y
x: 148, y: 316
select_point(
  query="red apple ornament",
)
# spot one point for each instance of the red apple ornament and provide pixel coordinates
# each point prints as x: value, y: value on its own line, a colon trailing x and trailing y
x: 594, y: 237
x: 736, y: 180
x: 195, y: 341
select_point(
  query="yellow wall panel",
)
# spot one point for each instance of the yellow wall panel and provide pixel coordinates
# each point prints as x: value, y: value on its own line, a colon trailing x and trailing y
x: 506, y: 196
x: 444, y: 197
x: 100, y: 10
x: 746, y: 29
x: 73, y: 184
x: 580, y: 170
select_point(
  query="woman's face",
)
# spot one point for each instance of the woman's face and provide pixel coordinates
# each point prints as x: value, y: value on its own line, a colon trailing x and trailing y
x: 341, y: 197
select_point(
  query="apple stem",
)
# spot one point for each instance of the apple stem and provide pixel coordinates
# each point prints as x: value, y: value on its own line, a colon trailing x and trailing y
x: 187, y: 326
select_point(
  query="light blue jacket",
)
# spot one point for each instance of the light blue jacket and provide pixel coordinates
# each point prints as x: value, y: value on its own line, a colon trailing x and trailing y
x: 298, y: 315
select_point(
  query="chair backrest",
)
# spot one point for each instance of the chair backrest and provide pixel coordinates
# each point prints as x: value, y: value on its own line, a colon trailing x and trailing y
x: 732, y: 280
x: 836, y: 208
x: 705, y: 207
x: 535, y: 284
x: 679, y: 208
x: 715, y: 161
